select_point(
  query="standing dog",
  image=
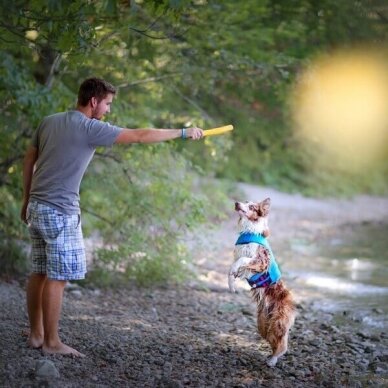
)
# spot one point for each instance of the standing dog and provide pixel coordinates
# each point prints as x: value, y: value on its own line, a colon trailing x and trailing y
x: 255, y: 262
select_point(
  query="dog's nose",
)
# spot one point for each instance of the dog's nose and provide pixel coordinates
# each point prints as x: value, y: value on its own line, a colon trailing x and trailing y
x: 236, y: 206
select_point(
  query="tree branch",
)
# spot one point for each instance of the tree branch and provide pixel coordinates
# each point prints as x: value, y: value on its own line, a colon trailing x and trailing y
x: 166, y: 36
x: 109, y: 156
x: 192, y: 102
x: 97, y: 216
x: 150, y: 79
x: 53, y: 69
x: 148, y: 35
x: 382, y: 17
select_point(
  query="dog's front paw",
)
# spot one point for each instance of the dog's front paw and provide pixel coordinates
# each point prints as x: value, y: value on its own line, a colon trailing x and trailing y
x: 231, y: 281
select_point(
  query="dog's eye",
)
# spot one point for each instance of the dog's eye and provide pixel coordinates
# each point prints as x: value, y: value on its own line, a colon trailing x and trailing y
x: 251, y: 207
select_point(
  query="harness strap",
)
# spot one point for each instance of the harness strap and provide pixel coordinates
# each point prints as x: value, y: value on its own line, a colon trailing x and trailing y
x: 273, y: 274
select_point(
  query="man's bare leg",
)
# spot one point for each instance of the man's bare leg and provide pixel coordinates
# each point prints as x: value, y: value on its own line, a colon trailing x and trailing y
x: 35, y: 286
x: 52, y: 304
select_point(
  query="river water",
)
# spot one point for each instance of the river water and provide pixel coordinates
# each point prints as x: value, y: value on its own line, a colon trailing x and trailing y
x: 346, y: 273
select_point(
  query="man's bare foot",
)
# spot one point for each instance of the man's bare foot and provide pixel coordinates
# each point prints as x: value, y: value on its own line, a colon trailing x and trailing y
x: 61, y: 348
x: 35, y: 342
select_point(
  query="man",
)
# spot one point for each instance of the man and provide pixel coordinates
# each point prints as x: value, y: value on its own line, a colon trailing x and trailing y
x: 54, y: 164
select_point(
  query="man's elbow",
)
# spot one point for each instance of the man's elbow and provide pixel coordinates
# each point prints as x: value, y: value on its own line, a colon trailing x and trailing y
x: 31, y: 155
x: 129, y: 136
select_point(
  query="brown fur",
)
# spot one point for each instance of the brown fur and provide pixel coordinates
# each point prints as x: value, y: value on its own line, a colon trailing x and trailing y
x: 262, y: 260
x: 275, y: 306
x: 275, y: 315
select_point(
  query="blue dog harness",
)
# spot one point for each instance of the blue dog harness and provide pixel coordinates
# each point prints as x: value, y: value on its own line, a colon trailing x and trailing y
x: 272, y: 275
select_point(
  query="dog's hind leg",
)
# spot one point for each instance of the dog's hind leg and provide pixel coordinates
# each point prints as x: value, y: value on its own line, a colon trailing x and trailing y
x: 279, y: 347
x: 262, y: 324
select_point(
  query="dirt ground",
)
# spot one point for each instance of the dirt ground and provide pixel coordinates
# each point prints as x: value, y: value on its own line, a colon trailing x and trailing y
x: 198, y: 334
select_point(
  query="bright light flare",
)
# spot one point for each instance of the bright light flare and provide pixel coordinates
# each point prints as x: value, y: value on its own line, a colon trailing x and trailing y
x: 341, y: 102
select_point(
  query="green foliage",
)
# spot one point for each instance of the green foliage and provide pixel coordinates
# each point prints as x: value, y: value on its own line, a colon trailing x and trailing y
x: 12, y: 236
x: 324, y: 177
x: 151, y: 212
x: 118, y: 267
x: 176, y: 63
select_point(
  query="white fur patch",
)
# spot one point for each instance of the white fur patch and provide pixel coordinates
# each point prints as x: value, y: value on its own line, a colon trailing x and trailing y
x: 272, y: 361
x: 247, y: 226
x: 245, y: 254
x: 239, y: 269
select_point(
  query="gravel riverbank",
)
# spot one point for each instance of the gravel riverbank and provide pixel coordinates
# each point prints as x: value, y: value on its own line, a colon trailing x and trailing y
x: 196, y: 334
x: 186, y: 337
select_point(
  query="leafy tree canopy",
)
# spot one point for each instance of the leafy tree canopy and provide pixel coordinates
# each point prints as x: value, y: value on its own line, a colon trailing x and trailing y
x: 176, y: 63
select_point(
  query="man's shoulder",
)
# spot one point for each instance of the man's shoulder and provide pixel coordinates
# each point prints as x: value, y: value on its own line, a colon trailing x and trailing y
x: 54, y: 118
x: 61, y: 115
x: 71, y: 117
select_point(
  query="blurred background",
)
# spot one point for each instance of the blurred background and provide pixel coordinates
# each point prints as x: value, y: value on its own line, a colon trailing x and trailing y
x: 304, y: 83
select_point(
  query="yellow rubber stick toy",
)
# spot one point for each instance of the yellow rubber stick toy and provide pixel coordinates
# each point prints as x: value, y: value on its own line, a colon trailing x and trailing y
x: 217, y: 131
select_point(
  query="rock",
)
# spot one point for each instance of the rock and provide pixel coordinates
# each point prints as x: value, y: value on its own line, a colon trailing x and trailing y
x: 72, y: 286
x: 363, y: 335
x: 167, y: 383
x: 146, y: 371
x: 335, y: 329
x: 315, y: 342
x: 244, y: 362
x: 247, y: 312
x: 378, y: 367
x: 383, y: 358
x: 159, y: 361
x: 76, y: 293
x: 354, y: 347
x: 349, y: 338
x: 167, y: 369
x: 378, y: 311
x: 46, y: 368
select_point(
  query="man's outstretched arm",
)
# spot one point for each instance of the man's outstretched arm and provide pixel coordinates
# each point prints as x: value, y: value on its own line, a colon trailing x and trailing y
x: 28, y: 169
x: 128, y: 136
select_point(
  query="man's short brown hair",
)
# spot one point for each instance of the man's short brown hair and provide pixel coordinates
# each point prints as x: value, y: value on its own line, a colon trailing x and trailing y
x: 94, y: 87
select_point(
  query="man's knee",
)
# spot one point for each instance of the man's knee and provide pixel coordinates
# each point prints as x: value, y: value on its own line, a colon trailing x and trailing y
x: 56, y: 283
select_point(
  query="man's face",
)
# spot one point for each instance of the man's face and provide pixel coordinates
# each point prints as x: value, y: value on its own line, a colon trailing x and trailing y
x: 99, y: 109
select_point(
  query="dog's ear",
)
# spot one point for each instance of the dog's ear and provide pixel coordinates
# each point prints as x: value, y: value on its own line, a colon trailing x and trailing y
x: 264, y: 207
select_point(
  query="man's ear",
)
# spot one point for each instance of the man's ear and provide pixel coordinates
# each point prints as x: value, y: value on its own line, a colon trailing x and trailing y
x: 93, y: 102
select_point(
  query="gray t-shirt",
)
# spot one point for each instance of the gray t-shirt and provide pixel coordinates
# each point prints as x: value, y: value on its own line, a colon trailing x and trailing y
x: 66, y: 143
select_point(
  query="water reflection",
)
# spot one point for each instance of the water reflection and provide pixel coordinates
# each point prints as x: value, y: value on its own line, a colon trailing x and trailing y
x: 348, y: 272
x: 340, y: 285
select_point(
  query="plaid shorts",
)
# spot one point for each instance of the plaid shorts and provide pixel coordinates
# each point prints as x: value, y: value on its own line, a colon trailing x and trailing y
x: 57, y: 243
